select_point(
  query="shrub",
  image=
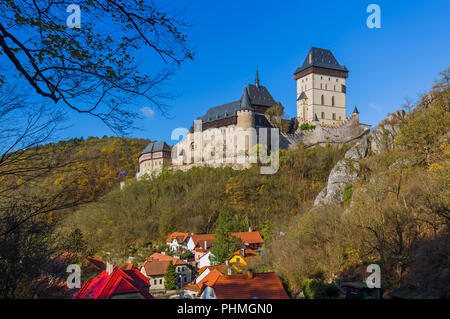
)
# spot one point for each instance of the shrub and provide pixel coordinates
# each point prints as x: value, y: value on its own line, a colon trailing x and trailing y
x: 348, y: 192
x: 306, y: 126
x: 317, y: 289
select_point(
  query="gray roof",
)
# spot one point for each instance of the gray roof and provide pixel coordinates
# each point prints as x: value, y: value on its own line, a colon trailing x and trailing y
x: 153, y: 147
x: 355, y: 110
x: 302, y: 96
x: 252, y: 96
x: 315, y: 119
x: 321, y: 58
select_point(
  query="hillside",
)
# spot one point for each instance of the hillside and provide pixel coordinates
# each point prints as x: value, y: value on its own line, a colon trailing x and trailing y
x: 386, y: 201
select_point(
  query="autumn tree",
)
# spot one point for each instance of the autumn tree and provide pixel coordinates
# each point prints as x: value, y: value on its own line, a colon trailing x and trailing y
x: 93, y: 68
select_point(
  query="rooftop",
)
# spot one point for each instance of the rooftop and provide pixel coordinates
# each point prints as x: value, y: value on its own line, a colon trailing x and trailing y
x: 157, y: 264
x: 242, y: 286
x: 153, y: 147
x: 322, y: 58
x: 119, y: 282
x: 253, y: 95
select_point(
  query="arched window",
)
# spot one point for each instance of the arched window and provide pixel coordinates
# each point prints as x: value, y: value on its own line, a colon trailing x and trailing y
x: 322, y: 100
x: 332, y: 100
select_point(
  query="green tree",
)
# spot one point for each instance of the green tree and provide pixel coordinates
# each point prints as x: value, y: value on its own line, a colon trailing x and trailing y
x: 75, y: 242
x: 170, y: 277
x: 224, y: 242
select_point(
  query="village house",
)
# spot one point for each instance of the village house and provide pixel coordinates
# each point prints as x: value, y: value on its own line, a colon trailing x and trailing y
x: 243, y: 258
x: 177, y: 240
x: 116, y: 283
x: 200, y: 245
x: 213, y: 283
x: 155, y: 266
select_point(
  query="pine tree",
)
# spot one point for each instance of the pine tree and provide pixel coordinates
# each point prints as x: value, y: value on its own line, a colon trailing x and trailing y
x: 170, y: 277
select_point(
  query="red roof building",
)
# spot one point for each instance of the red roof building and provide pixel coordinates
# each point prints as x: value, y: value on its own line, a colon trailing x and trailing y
x: 249, y: 286
x: 119, y: 284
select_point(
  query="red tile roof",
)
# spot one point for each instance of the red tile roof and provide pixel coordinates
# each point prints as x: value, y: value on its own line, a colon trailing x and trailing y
x: 241, y: 286
x: 119, y: 282
x: 157, y: 264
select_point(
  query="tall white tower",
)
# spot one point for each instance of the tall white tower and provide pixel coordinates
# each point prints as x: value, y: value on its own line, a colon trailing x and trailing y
x: 321, y: 88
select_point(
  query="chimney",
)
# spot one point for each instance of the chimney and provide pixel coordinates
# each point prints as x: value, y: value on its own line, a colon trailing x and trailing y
x: 109, y: 268
x: 205, y: 245
x: 228, y: 267
x: 250, y: 273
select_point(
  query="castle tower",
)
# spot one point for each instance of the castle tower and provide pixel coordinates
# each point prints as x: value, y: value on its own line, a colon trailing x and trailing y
x: 245, y: 113
x: 321, y: 88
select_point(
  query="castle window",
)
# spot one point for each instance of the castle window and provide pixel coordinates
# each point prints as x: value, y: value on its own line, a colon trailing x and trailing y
x: 329, y: 79
x: 332, y: 100
x: 334, y: 88
x: 320, y: 85
x: 322, y: 115
x: 321, y: 77
x: 337, y: 80
x: 326, y: 86
x: 339, y: 118
x: 334, y: 116
x: 343, y: 88
x: 322, y: 100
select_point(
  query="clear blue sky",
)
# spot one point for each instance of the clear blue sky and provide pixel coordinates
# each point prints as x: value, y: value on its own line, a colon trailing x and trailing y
x: 387, y: 65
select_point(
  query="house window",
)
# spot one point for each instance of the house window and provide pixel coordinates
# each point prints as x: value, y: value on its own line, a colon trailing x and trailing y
x: 160, y: 281
x: 332, y: 100
x: 155, y: 282
x: 334, y: 116
x: 238, y: 260
x: 322, y: 100
x: 322, y: 115
x: 184, y: 279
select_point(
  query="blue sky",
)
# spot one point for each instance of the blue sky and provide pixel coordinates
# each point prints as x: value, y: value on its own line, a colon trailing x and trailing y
x: 230, y: 38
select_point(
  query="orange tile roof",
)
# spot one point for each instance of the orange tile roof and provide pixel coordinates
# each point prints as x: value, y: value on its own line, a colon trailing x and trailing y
x: 250, y: 237
x: 180, y: 237
x: 241, y: 286
x: 127, y: 266
x: 157, y: 264
x: 246, y: 237
x: 209, y: 281
x: 199, y: 240
x: 249, y: 254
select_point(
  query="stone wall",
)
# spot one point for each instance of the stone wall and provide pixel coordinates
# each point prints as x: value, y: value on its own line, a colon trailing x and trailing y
x: 340, y: 133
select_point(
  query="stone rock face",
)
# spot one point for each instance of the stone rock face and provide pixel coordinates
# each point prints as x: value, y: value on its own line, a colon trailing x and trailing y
x: 346, y: 171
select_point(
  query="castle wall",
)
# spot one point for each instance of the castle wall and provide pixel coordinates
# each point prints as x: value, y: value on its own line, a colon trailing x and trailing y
x: 323, y: 133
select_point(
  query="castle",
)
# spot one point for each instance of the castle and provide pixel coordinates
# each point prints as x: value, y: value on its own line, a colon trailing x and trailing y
x: 234, y: 128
